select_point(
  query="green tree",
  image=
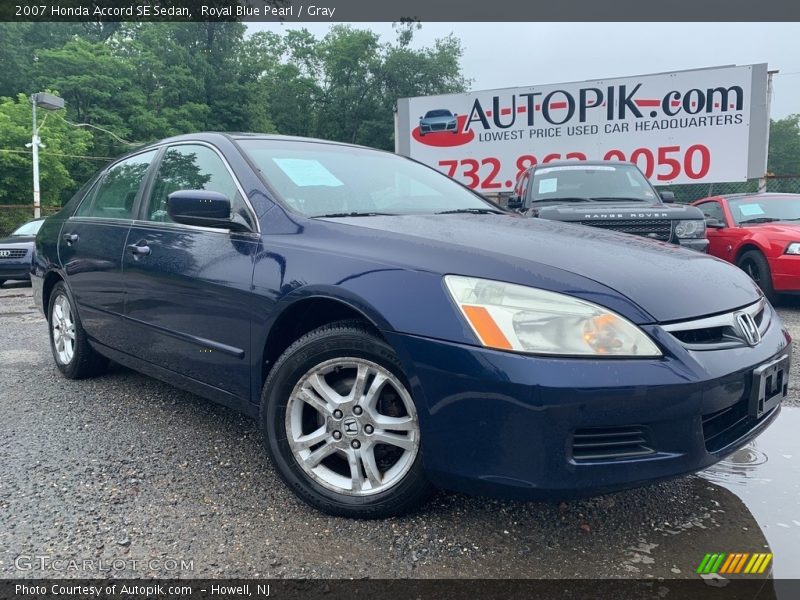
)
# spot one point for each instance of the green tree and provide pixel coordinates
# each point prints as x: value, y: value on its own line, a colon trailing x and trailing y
x: 58, y: 160
x: 784, y: 146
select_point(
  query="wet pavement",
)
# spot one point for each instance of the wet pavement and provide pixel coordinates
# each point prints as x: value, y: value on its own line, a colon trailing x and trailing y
x: 126, y: 467
x: 765, y: 475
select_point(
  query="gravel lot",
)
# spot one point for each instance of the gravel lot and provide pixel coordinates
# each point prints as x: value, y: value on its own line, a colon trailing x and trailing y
x: 126, y: 467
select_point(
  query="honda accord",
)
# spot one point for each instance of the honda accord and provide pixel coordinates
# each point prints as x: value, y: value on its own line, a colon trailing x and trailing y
x: 392, y: 331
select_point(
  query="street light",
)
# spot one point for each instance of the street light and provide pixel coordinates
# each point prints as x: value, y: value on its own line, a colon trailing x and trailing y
x: 47, y: 102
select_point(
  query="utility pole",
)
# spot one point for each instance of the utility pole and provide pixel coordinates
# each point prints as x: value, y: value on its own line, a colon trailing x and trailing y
x: 35, y: 141
x: 762, y: 182
x: 48, y: 102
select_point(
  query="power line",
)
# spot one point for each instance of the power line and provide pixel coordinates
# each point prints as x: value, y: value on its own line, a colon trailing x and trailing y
x: 111, y: 133
x: 28, y: 152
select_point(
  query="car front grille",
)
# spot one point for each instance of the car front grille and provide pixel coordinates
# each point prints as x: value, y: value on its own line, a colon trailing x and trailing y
x: 438, y: 127
x: 12, y: 253
x: 651, y: 228
x: 608, y: 443
x: 719, y: 331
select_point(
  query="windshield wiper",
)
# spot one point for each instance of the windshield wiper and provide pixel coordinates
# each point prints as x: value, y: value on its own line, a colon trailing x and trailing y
x: 471, y: 211
x: 351, y: 214
x: 565, y: 199
x: 616, y: 199
x: 759, y: 220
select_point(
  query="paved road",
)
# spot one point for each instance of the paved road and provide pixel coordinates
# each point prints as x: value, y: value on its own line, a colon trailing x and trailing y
x: 126, y: 468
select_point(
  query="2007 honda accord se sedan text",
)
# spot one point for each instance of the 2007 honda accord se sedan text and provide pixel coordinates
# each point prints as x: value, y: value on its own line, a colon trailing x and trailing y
x: 392, y: 331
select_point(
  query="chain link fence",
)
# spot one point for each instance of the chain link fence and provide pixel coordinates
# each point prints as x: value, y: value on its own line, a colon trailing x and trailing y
x: 14, y: 215
x: 686, y: 193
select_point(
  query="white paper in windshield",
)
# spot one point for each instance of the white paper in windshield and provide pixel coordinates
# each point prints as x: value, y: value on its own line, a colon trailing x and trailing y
x: 751, y: 210
x: 548, y: 186
x: 307, y: 172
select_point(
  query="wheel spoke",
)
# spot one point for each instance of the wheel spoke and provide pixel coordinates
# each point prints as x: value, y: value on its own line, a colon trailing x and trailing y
x: 320, y: 405
x: 393, y: 423
x: 393, y: 439
x: 374, y: 391
x: 313, y: 438
x: 356, y: 476
x: 371, y: 466
x: 360, y: 383
x: 318, y: 455
x: 319, y: 385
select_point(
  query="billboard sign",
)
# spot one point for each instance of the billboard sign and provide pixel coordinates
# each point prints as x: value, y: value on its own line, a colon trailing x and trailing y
x: 698, y: 126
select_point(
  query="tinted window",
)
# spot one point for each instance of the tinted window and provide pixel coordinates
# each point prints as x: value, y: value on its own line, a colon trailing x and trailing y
x: 192, y: 167
x: 712, y: 210
x: 318, y: 179
x: 438, y: 113
x: 116, y: 194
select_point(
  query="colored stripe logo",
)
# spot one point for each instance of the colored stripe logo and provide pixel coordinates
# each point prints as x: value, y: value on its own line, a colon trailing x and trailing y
x: 735, y: 563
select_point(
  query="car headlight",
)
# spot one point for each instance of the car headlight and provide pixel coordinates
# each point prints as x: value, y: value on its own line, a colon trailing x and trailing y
x: 694, y: 228
x: 513, y: 317
x: 793, y: 248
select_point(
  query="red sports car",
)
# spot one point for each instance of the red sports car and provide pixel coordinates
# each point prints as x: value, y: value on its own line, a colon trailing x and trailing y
x: 760, y: 233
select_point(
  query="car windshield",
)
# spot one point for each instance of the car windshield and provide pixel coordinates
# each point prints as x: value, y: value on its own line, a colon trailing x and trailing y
x: 755, y: 209
x: 438, y: 113
x: 30, y: 228
x: 591, y: 182
x: 318, y: 179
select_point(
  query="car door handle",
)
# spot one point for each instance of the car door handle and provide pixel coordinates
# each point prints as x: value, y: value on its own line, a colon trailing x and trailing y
x: 71, y: 238
x: 140, y: 249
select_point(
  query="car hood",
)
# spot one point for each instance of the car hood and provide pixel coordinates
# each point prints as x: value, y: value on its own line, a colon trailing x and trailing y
x: 610, y: 211
x: 14, y: 240
x: 667, y: 282
x: 776, y: 230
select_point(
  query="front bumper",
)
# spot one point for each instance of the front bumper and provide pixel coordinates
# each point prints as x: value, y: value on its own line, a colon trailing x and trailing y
x: 17, y: 270
x: 699, y: 244
x: 516, y: 426
x: 785, y: 273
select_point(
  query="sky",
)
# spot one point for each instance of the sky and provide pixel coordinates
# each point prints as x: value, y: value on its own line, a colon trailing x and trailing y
x: 498, y: 55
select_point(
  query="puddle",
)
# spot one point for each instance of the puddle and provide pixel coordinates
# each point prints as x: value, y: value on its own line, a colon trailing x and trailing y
x: 765, y: 475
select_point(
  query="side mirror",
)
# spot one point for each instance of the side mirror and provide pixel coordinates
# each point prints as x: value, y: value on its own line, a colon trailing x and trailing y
x: 712, y: 223
x: 203, y: 208
x: 667, y: 197
x: 514, y: 203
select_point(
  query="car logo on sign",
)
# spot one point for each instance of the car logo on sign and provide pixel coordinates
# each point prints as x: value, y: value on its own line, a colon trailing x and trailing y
x: 748, y: 328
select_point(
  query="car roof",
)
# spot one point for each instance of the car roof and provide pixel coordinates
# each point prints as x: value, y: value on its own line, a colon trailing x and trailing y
x: 213, y: 137
x: 586, y: 163
x: 757, y: 195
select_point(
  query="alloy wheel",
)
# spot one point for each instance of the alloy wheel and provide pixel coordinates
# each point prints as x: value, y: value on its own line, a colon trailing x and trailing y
x: 63, y: 327
x: 352, y: 426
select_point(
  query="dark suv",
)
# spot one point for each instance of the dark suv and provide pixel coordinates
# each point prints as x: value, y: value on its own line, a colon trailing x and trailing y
x: 610, y: 195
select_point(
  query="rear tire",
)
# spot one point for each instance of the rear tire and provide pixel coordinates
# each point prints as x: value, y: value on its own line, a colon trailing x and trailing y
x: 755, y: 264
x: 341, y: 427
x: 73, y: 355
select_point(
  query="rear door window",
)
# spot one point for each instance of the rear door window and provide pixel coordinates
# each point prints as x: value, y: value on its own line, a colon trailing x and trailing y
x: 114, y: 198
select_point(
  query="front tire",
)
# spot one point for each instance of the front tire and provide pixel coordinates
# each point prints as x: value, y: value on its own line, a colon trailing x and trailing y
x: 73, y: 355
x: 341, y: 427
x: 756, y: 266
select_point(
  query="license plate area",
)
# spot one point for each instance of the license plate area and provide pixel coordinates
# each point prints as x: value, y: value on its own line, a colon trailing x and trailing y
x: 770, y: 386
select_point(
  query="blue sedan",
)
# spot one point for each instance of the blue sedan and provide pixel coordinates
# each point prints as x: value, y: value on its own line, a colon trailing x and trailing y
x: 392, y: 331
